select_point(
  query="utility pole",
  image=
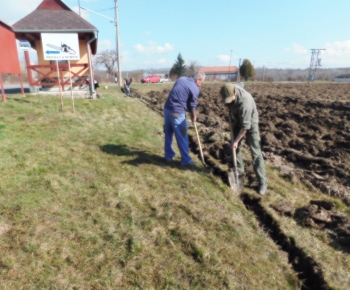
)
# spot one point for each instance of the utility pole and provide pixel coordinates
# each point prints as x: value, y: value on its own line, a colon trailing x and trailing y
x: 314, y: 63
x: 229, y: 67
x: 238, y: 73
x: 79, y: 7
x: 117, y: 44
x: 263, y: 73
x: 115, y: 21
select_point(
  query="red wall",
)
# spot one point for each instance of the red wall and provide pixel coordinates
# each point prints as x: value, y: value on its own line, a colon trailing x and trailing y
x: 9, y: 62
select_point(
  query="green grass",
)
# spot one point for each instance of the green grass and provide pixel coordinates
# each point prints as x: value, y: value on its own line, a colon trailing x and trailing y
x: 87, y: 202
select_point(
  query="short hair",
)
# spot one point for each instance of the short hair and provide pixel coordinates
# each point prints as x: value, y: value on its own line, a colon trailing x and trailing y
x: 199, y: 75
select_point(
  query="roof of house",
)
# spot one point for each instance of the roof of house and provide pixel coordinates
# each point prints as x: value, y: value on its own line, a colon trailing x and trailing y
x: 7, y: 26
x: 53, y: 16
x: 218, y: 69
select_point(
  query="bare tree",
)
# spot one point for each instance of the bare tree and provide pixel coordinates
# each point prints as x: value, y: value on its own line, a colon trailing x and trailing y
x: 192, y: 68
x: 107, y: 59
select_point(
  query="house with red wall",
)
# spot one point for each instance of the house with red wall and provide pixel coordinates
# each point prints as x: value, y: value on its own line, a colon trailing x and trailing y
x: 220, y: 73
x: 9, y: 62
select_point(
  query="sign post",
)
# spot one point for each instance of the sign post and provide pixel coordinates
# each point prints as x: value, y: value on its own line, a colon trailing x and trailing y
x: 25, y: 46
x: 61, y: 47
x: 71, y: 85
x: 2, y: 88
x: 59, y: 84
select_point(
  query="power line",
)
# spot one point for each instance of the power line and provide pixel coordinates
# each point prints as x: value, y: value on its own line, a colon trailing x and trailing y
x: 106, y: 9
x: 115, y: 21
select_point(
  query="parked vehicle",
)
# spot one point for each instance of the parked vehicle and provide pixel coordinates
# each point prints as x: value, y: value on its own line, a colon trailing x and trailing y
x: 162, y: 80
x: 151, y: 79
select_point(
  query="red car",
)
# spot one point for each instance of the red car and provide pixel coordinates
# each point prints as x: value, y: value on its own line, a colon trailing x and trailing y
x: 151, y: 79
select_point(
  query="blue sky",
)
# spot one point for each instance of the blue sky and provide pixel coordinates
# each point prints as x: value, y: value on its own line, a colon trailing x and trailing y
x: 270, y: 33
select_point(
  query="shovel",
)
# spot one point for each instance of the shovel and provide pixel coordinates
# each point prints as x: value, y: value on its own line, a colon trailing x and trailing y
x: 233, y: 177
x: 199, y: 143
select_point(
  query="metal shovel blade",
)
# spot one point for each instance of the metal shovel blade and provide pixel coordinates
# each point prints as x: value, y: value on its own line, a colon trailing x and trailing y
x: 234, y: 181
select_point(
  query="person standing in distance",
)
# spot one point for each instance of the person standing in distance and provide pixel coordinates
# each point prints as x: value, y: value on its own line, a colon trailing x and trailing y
x: 127, y: 85
x: 242, y: 107
x: 182, y: 97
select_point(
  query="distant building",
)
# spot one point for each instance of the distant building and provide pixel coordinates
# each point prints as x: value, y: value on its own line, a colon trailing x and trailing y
x: 342, y: 78
x: 220, y: 73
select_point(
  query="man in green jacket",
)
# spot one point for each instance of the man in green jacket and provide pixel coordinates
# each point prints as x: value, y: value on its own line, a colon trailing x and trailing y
x: 242, y: 108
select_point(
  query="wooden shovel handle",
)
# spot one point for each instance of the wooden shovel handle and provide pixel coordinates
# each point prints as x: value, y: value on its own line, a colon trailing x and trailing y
x: 199, y: 143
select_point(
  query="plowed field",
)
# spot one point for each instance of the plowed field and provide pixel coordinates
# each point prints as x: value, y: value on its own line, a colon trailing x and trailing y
x: 305, y: 130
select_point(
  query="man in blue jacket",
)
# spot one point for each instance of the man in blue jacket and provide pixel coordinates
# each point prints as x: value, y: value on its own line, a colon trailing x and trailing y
x: 182, y: 98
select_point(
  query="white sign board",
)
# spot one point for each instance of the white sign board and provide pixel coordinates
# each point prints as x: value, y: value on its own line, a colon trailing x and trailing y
x: 24, y: 44
x: 60, y: 46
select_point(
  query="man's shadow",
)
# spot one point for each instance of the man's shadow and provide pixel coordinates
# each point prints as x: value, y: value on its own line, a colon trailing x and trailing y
x: 140, y: 156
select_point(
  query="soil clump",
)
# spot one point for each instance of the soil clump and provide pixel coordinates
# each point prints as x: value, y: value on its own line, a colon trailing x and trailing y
x: 320, y: 215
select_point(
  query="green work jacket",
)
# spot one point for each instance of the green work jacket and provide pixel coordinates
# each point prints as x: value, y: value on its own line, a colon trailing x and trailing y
x: 244, y: 111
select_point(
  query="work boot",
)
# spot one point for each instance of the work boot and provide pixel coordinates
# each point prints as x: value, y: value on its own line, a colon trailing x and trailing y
x: 263, y: 189
x: 190, y: 164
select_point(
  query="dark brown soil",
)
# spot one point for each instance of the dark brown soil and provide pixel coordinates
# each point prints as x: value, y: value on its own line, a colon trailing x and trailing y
x: 305, y: 130
x: 321, y: 215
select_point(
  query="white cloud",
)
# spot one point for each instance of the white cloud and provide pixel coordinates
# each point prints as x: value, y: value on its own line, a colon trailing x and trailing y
x: 140, y: 48
x: 338, y: 48
x: 224, y: 58
x: 162, y: 61
x: 162, y: 49
x: 17, y: 9
x: 153, y: 48
x: 337, y: 54
x: 297, y: 49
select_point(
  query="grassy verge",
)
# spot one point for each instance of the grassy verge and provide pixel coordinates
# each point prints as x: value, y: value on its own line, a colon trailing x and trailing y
x: 87, y: 202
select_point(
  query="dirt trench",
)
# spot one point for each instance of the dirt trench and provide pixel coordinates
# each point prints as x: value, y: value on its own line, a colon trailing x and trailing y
x: 308, y: 270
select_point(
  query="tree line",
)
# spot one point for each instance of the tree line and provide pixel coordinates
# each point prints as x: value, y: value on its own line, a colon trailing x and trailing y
x: 247, y: 71
x: 105, y: 64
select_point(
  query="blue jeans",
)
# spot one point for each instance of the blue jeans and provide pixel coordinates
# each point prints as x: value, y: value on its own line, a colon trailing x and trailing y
x: 127, y: 90
x: 175, y: 123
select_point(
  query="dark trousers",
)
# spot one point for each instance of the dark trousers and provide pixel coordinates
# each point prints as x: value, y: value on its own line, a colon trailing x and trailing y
x: 253, y: 141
